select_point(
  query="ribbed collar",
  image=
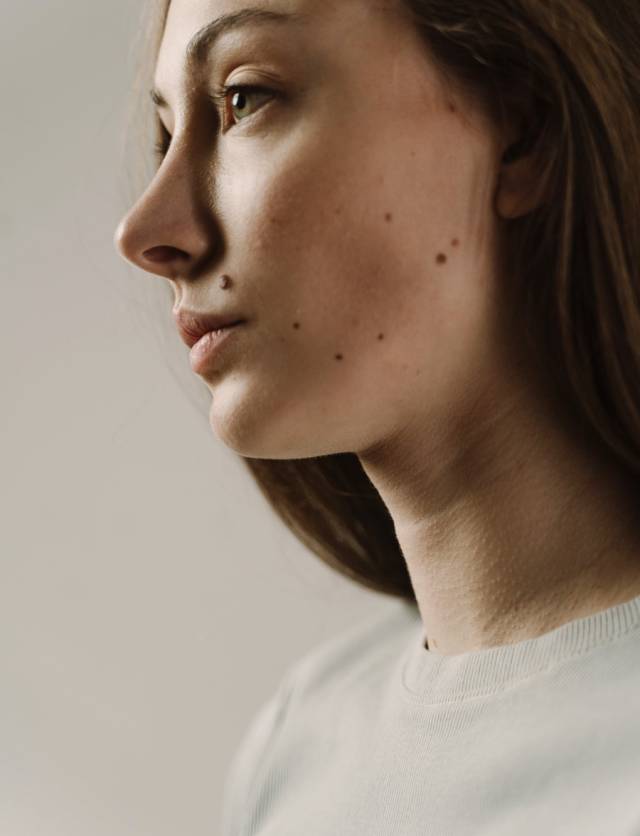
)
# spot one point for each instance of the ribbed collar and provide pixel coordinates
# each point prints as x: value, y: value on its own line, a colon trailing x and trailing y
x: 437, y: 678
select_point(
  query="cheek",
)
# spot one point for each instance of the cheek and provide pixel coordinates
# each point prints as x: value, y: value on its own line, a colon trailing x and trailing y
x: 332, y: 244
x: 356, y: 260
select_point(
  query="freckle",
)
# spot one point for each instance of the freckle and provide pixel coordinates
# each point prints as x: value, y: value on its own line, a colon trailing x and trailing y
x: 388, y: 216
x: 455, y: 242
x: 296, y: 325
x: 381, y: 336
x: 338, y: 210
x: 338, y: 356
x: 441, y: 259
x: 452, y: 107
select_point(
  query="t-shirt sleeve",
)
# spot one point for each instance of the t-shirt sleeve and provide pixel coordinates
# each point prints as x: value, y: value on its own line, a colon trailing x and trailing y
x: 249, y: 756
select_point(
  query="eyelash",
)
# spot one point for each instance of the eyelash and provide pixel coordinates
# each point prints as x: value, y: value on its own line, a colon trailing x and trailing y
x: 219, y: 97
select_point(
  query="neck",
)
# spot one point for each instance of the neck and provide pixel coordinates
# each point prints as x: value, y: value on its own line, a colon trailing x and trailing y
x: 511, y: 533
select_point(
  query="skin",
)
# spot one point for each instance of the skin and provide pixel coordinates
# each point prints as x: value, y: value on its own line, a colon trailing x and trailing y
x: 361, y: 218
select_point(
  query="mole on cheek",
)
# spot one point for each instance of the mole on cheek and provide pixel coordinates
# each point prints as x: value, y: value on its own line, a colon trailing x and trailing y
x: 441, y: 259
x: 381, y: 336
x: 296, y: 325
x: 388, y: 217
x: 338, y: 356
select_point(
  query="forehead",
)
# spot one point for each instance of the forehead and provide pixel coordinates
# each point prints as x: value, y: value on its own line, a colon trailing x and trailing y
x: 195, y: 28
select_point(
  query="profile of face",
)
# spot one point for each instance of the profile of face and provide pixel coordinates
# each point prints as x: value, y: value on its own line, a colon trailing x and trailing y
x: 354, y: 202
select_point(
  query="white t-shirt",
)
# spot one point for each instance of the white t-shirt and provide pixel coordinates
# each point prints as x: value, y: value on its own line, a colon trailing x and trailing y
x: 371, y: 734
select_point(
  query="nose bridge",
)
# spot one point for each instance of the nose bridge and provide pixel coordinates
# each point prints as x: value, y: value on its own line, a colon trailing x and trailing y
x: 170, y: 220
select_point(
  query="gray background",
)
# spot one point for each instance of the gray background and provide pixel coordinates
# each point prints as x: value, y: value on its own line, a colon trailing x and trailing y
x: 150, y: 600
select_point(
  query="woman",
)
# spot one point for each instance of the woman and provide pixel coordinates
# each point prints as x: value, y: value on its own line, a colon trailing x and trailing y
x: 424, y: 215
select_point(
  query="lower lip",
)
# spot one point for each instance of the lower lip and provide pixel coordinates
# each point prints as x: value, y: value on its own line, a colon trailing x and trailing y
x: 206, y: 350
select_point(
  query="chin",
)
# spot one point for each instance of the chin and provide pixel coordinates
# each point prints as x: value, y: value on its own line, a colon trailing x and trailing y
x: 244, y: 428
x: 258, y: 422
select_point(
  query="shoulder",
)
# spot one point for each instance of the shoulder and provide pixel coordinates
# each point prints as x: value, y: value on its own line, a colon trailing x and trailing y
x: 369, y: 645
x: 333, y: 664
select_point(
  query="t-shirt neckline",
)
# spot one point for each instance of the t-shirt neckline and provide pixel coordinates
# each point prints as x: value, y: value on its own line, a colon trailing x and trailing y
x: 436, y: 678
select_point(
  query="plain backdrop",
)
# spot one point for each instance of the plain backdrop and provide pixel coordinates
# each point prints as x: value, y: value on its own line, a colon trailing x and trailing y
x: 150, y: 600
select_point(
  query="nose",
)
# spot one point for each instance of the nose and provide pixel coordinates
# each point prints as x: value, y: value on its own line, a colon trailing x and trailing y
x: 168, y: 230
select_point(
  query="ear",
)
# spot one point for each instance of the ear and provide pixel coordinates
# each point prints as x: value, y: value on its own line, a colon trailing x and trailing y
x: 520, y: 183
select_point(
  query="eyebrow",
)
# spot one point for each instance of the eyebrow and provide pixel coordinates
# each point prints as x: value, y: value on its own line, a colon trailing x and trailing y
x: 202, y: 42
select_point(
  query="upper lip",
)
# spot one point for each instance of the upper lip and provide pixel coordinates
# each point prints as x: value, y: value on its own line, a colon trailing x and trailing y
x: 193, y: 325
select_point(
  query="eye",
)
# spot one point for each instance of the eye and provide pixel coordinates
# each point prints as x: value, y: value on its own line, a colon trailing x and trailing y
x: 162, y: 145
x: 241, y: 94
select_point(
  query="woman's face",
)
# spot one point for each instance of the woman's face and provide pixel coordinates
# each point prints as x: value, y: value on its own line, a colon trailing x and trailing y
x: 351, y: 203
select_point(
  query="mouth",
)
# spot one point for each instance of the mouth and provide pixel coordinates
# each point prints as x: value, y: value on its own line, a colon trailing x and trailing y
x: 208, y: 347
x: 193, y: 326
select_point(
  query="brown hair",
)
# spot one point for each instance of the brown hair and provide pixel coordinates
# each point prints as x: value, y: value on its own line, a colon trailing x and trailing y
x: 571, y: 68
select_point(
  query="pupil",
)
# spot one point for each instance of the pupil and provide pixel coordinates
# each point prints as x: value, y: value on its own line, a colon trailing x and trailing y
x: 237, y: 96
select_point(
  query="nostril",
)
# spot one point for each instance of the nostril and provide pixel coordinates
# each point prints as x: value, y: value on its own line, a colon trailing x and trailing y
x: 161, y: 254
